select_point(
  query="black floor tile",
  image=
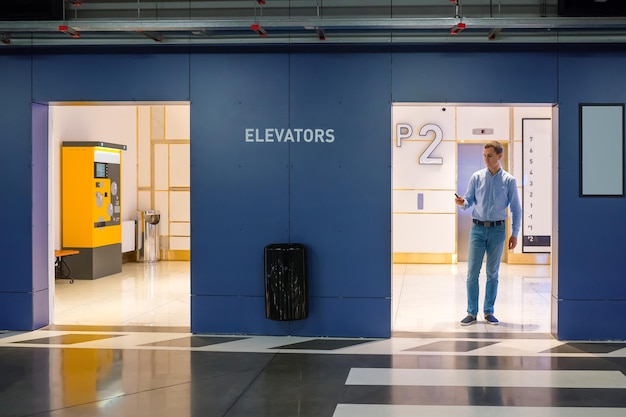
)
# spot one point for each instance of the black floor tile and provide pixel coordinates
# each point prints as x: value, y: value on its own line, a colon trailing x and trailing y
x: 586, y: 348
x: 323, y: 344
x: 452, y: 346
x: 195, y: 341
x: 68, y: 339
x: 472, y: 335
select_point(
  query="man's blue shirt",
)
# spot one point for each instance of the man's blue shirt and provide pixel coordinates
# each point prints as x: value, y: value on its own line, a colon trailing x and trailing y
x: 491, y: 195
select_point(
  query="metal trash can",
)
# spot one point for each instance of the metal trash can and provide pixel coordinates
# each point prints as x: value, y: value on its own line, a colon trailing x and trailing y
x: 148, y: 235
x: 285, y: 282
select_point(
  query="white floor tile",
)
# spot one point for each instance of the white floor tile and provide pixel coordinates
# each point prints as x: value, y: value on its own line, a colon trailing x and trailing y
x: 487, y: 378
x: 379, y: 410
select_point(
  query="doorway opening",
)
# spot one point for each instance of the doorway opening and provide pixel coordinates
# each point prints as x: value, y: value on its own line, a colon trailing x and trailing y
x: 154, y: 176
x: 436, y: 147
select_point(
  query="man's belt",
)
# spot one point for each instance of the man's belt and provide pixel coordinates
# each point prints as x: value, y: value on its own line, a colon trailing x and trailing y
x: 488, y: 224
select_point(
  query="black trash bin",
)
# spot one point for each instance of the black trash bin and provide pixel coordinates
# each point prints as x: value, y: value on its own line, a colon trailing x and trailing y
x: 285, y: 282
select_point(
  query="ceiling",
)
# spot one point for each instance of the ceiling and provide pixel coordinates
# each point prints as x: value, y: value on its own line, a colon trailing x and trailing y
x: 233, y: 22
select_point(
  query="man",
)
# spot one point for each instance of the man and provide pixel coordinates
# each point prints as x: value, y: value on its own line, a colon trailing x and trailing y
x: 490, y: 191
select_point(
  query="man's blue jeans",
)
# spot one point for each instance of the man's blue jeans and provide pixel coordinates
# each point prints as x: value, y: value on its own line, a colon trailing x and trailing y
x: 490, y: 240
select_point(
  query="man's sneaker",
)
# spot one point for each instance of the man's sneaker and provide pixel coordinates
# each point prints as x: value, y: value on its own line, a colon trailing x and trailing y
x: 491, y: 319
x: 469, y: 319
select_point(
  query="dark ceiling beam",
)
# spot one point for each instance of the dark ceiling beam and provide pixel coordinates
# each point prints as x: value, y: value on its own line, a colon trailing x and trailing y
x: 358, y: 24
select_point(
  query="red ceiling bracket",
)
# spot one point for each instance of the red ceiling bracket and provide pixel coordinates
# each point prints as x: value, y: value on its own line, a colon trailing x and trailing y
x: 258, y: 29
x: 68, y: 30
x: 456, y: 29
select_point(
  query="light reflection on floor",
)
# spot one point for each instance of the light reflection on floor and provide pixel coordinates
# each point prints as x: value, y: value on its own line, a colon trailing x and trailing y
x: 426, y: 297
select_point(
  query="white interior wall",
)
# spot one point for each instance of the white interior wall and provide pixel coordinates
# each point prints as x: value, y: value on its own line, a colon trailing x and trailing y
x: 432, y: 228
x: 136, y: 126
x: 114, y: 124
x: 166, y: 186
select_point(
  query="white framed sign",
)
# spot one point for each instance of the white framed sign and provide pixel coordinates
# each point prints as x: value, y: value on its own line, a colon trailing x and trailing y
x: 536, y: 185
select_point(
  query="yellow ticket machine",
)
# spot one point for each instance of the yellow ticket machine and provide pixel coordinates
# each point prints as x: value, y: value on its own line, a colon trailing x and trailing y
x: 91, y: 207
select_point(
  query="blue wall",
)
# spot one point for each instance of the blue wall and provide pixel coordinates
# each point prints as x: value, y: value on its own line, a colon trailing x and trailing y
x: 334, y: 197
x: 20, y: 294
x: 592, y: 288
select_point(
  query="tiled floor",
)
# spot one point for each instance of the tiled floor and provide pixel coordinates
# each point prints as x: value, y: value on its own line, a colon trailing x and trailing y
x: 433, y: 298
x: 143, y: 294
x: 425, y: 298
x: 133, y: 355
x: 69, y: 371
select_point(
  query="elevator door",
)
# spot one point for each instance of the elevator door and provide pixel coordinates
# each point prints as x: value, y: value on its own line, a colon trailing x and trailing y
x: 470, y: 160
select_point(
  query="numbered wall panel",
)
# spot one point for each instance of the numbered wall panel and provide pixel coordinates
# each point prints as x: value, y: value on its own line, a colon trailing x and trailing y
x: 536, y: 185
x: 543, y: 158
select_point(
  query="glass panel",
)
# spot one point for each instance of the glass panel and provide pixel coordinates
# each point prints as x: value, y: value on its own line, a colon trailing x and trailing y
x: 602, y: 150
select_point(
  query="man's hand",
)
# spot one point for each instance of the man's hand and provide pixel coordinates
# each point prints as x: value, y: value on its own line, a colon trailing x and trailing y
x: 459, y: 201
x: 512, y: 242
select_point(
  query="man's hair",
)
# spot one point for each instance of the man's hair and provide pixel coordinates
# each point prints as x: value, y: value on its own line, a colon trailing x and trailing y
x: 495, y: 145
